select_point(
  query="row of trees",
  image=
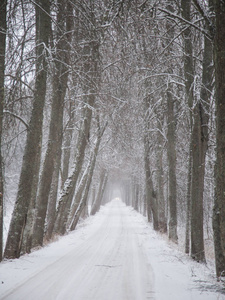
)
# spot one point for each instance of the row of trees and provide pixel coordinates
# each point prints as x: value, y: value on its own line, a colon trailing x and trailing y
x: 104, y: 95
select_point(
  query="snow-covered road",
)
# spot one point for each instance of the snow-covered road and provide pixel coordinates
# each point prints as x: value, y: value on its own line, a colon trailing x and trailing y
x: 114, y: 256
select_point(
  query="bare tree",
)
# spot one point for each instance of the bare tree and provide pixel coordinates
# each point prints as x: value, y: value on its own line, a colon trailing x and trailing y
x: 171, y: 138
x: 82, y: 194
x: 3, y: 26
x: 199, y: 149
x: 189, y: 87
x: 32, y: 149
x: 60, y: 78
x: 160, y: 175
x: 102, y: 184
x: 151, y: 200
x: 90, y: 79
x: 219, y: 205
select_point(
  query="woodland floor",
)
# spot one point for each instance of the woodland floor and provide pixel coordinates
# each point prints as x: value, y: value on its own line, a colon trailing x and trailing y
x: 114, y: 255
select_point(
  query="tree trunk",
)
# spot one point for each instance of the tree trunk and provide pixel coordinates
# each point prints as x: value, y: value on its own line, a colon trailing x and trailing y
x: 189, y: 78
x: 67, y: 143
x: 188, y: 201
x: 81, y: 206
x: 144, y: 205
x: 91, y: 70
x: 28, y: 230
x: 197, y: 240
x: 199, y: 149
x: 84, y: 214
x: 136, y: 202
x: 219, y: 205
x: 83, y: 182
x: 132, y: 200
x: 127, y: 193
x: 3, y: 27
x: 56, y: 124
x: 171, y: 139
x: 199, y: 136
x: 152, y: 206
x: 67, y: 194
x: 78, y: 195
x: 83, y: 200
x: 32, y: 148
x: 93, y: 195
x: 160, y: 180
x: 189, y: 81
x: 171, y: 154
x: 102, y: 184
x: 51, y: 211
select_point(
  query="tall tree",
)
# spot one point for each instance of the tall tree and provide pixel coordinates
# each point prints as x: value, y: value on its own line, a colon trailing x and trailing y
x: 90, y: 78
x: 151, y: 201
x: 34, y: 134
x: 189, y: 87
x: 60, y: 78
x: 199, y: 148
x: 171, y: 136
x: 102, y: 184
x: 82, y: 194
x: 67, y: 142
x: 160, y: 177
x: 219, y: 204
x: 3, y: 27
x: 68, y: 190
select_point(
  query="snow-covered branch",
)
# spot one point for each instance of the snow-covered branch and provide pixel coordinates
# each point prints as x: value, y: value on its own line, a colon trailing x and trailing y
x: 17, y: 117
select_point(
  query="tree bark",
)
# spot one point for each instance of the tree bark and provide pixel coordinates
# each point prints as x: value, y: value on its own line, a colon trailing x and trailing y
x: 188, y: 201
x: 219, y: 204
x: 197, y: 238
x: 84, y: 214
x: 160, y: 181
x: 32, y: 148
x: 102, y: 184
x: 171, y: 140
x: 67, y: 194
x: 136, y: 200
x: 60, y: 79
x: 189, y: 85
x: 83, y: 200
x: 78, y: 194
x: 199, y: 135
x: 28, y: 229
x: 67, y: 143
x: 152, y: 206
x: 171, y: 154
x: 90, y: 84
x: 3, y: 28
x: 51, y: 211
x: 199, y: 149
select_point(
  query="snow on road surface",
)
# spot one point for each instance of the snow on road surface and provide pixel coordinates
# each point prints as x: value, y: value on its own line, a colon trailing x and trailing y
x: 113, y: 255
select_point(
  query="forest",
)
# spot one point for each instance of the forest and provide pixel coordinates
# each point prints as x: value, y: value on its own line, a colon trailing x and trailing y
x: 113, y: 98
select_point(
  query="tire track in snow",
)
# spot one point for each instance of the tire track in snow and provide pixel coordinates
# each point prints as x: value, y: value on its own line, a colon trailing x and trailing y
x: 110, y: 264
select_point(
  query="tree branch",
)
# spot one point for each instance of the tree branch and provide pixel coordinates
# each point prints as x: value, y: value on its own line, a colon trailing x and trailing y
x: 169, y: 13
x: 17, y: 117
x: 205, y: 16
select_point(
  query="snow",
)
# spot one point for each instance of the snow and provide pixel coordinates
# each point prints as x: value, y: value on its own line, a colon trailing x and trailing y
x: 112, y: 255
